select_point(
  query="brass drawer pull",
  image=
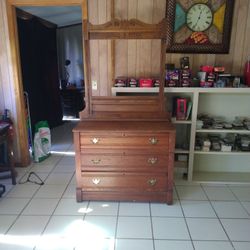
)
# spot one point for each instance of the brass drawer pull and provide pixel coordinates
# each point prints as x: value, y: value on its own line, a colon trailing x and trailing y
x: 96, y: 161
x: 96, y: 181
x: 153, y: 140
x: 95, y: 140
x: 152, y: 160
x: 152, y: 182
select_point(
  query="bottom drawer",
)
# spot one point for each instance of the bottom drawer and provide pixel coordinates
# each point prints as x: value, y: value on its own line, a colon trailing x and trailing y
x: 122, y: 181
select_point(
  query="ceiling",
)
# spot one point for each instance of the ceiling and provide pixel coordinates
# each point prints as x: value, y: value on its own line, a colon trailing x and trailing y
x: 62, y: 16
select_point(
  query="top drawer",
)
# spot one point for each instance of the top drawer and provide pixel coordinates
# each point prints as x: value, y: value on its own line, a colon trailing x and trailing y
x: 123, y: 140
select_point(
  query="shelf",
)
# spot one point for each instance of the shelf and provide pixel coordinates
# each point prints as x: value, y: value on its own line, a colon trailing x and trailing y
x: 181, y: 151
x: 222, y: 153
x: 181, y: 90
x: 226, y: 162
x: 233, y: 131
x: 209, y: 90
x: 134, y: 90
x: 221, y: 177
x: 181, y: 121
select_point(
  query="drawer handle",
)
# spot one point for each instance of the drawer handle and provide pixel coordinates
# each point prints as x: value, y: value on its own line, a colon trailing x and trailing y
x: 95, y: 140
x: 152, y: 160
x: 152, y: 182
x: 153, y: 140
x: 96, y: 181
x: 96, y: 161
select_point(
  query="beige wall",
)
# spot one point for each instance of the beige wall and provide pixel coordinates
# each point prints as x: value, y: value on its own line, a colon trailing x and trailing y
x: 141, y: 58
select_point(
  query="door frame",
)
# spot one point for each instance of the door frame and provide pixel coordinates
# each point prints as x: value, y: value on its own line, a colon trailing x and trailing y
x: 22, y: 137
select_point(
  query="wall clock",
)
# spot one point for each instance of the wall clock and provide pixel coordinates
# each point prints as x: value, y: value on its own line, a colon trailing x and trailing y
x: 199, y: 26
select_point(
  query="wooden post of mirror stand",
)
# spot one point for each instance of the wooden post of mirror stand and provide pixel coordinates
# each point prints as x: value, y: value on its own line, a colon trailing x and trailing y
x: 162, y: 76
x: 113, y: 45
x: 86, y: 57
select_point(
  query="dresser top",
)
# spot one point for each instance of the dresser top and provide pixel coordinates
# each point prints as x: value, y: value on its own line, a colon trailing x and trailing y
x: 147, y: 126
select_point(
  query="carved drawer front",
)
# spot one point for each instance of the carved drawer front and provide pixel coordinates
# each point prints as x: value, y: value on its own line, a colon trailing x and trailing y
x: 120, y: 181
x: 124, y: 140
x: 99, y: 162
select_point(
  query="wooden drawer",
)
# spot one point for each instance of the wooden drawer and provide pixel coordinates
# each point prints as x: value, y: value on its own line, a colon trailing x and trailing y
x: 101, y: 162
x: 119, y: 150
x: 101, y: 181
x: 123, y: 140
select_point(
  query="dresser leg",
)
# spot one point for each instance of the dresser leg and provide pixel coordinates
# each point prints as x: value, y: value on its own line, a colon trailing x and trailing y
x: 78, y: 194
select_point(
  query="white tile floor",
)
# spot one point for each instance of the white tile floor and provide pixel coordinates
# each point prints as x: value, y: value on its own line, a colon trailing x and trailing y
x: 203, y: 217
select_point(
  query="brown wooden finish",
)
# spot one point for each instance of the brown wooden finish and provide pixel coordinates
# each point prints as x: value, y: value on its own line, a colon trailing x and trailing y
x: 125, y: 196
x: 123, y: 181
x: 124, y: 126
x: 125, y: 145
x: 127, y: 29
x: 117, y: 162
x: 125, y: 151
x: 124, y: 140
x: 16, y: 70
x: 104, y: 58
x: 125, y: 157
x: 127, y: 107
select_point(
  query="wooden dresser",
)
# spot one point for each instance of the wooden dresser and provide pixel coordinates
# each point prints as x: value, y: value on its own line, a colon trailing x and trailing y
x: 124, y: 144
x: 124, y: 160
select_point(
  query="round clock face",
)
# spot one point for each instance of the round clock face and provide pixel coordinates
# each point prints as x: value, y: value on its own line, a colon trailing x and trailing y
x: 199, y: 17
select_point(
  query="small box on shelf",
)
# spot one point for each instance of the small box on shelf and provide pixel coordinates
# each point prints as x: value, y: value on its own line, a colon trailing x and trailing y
x: 145, y: 83
x: 181, y: 108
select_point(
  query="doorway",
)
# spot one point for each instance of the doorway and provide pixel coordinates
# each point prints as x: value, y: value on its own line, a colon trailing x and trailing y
x: 22, y: 140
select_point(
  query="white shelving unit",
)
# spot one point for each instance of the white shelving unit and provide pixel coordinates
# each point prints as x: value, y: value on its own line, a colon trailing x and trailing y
x: 212, y: 166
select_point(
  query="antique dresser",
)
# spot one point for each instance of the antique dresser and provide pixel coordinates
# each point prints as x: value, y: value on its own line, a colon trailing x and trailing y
x: 124, y: 145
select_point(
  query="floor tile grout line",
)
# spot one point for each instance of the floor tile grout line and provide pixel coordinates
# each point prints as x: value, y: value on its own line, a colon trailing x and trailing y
x: 59, y: 198
x: 67, y: 185
x: 49, y: 216
x: 20, y: 213
x: 189, y: 233
x: 239, y: 201
x: 152, y: 227
x: 52, y: 214
x: 218, y: 217
x: 116, y: 225
x: 32, y: 197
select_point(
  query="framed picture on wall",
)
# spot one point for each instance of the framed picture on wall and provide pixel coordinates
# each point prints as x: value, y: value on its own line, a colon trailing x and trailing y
x: 199, y: 26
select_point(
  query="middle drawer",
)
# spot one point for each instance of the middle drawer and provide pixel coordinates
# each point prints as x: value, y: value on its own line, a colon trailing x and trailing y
x: 100, y: 162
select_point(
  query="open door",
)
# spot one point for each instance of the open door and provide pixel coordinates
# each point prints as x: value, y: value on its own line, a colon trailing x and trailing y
x: 22, y: 136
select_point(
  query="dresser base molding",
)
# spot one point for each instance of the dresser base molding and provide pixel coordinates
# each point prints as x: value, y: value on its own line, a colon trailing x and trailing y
x: 162, y: 197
